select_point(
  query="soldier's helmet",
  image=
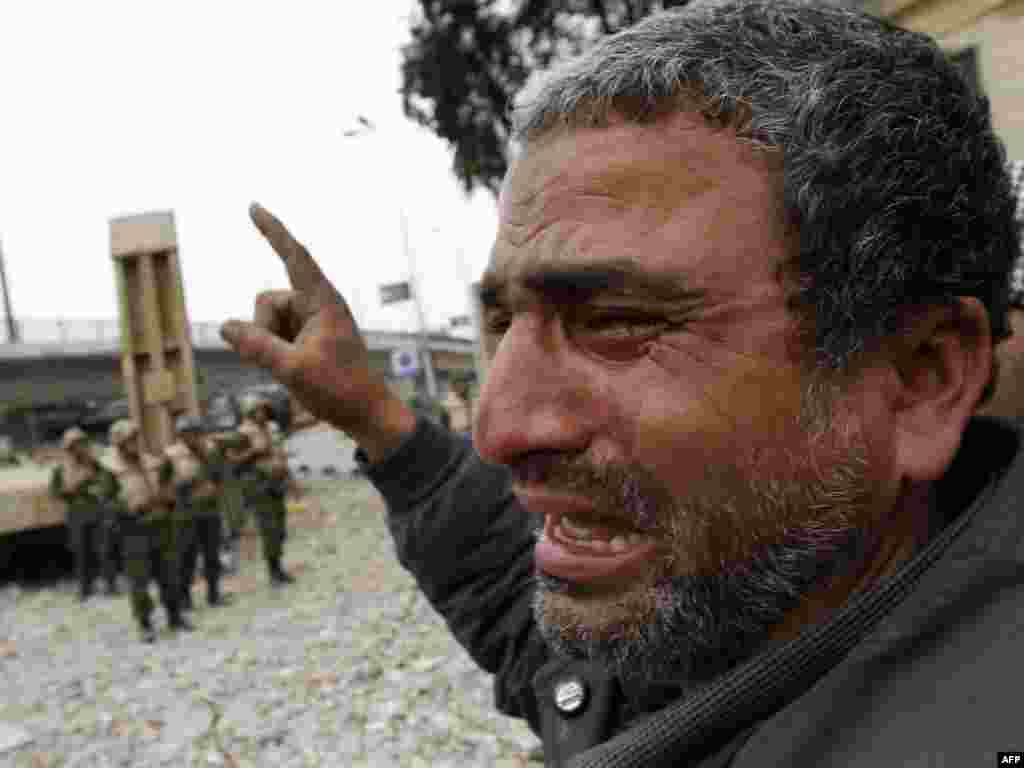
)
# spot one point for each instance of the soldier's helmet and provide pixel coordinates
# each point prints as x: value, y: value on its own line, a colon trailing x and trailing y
x: 73, y: 436
x: 252, y: 403
x: 123, y: 430
x: 186, y: 424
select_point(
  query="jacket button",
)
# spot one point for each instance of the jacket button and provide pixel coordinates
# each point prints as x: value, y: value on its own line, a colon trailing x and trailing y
x: 571, y: 696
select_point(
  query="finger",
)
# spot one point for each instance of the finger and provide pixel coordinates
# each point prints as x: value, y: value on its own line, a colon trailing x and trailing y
x: 265, y: 313
x: 286, y: 313
x: 271, y: 311
x: 303, y: 271
x: 261, y: 347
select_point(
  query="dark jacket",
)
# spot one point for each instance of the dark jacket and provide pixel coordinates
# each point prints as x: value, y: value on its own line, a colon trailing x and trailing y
x: 925, y: 669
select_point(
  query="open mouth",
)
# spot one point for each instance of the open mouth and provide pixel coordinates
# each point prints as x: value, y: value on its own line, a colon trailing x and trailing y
x: 592, y: 551
x: 594, y: 537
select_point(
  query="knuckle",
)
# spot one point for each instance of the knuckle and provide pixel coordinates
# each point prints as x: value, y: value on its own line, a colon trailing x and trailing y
x: 246, y: 347
x: 289, y: 368
x: 318, y: 360
x: 291, y: 301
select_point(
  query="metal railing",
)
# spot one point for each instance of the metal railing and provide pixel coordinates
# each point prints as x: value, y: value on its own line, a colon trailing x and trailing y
x: 82, y: 330
x: 63, y: 336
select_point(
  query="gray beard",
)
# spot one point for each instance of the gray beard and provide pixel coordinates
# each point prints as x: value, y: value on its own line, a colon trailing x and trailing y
x: 690, y: 628
x: 705, y: 625
x: 815, y: 521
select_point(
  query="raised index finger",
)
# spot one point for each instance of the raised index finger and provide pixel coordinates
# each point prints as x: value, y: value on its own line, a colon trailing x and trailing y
x: 303, y: 271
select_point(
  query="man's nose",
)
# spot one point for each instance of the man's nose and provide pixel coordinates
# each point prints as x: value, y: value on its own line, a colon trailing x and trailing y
x: 533, y: 399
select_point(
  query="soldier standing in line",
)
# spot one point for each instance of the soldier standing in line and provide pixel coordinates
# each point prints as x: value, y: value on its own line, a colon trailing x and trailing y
x: 86, y: 488
x: 264, y: 470
x: 111, y: 551
x: 197, y: 469
x: 458, y: 407
x: 149, y: 529
x: 233, y: 507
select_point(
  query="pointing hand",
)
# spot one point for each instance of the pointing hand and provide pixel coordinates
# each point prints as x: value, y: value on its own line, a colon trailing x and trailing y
x: 307, y: 339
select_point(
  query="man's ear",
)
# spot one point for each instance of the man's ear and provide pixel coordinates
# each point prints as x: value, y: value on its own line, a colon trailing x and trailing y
x: 942, y: 362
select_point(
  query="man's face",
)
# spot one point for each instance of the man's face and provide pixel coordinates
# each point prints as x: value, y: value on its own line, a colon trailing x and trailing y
x: 130, y: 447
x: 646, y: 391
x: 193, y: 440
x: 80, y: 450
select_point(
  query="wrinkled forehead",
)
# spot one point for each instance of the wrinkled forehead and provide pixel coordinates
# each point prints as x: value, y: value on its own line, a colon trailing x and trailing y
x: 621, y: 190
x: 648, y: 165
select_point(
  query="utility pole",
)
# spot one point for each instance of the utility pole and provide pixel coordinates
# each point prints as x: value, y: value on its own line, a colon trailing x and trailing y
x: 423, y: 341
x: 13, y: 337
x: 366, y: 127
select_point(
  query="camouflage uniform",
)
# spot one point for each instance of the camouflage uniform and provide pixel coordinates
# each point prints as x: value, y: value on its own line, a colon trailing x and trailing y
x: 87, y: 489
x: 150, y: 531
x: 111, y: 549
x: 197, y: 473
x: 264, y: 484
x: 233, y: 510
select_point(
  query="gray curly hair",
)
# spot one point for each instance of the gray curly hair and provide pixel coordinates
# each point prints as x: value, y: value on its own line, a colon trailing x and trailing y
x: 892, y: 174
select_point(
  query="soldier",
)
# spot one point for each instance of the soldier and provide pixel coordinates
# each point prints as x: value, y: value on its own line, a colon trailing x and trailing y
x: 111, y: 551
x: 458, y: 408
x: 197, y: 469
x: 263, y: 467
x: 148, y: 527
x: 86, y: 488
x: 233, y: 507
x: 8, y: 458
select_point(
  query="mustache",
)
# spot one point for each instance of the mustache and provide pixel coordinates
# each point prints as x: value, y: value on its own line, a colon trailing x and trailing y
x: 618, y: 492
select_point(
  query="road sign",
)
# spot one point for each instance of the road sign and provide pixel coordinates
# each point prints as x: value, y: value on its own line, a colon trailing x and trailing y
x: 391, y: 293
x: 405, y: 361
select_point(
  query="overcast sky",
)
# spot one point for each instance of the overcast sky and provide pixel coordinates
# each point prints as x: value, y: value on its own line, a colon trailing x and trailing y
x: 112, y: 108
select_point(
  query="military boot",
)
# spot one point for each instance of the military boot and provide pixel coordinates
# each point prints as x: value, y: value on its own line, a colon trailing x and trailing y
x: 179, y: 622
x: 214, y: 596
x: 186, y: 601
x: 278, y: 576
x: 146, y: 632
x: 230, y: 555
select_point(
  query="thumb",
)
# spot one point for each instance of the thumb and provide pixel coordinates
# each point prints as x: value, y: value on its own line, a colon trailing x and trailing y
x: 258, y: 345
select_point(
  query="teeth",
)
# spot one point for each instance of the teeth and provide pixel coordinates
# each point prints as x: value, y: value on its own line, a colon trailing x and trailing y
x: 583, y: 535
x: 567, y: 534
x: 576, y: 531
x: 598, y: 546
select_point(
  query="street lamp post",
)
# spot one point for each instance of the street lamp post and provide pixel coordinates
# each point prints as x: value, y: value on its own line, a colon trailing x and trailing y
x: 422, y: 342
x: 365, y: 128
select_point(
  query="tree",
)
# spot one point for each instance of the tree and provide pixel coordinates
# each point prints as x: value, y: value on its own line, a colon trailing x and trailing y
x: 467, y: 59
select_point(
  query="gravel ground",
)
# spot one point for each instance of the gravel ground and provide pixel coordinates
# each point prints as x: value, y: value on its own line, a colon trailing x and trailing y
x: 349, y: 666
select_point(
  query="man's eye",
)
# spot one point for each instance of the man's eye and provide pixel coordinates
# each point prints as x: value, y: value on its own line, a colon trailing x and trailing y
x: 495, y: 324
x: 619, y: 337
x: 621, y: 324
